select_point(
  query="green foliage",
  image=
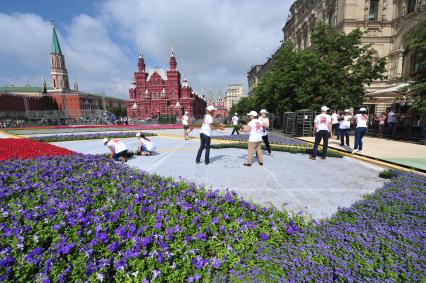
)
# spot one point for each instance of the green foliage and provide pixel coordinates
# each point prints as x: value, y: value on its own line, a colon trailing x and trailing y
x: 332, y: 72
x: 245, y: 105
x: 388, y: 174
x: 285, y: 148
x: 416, y: 42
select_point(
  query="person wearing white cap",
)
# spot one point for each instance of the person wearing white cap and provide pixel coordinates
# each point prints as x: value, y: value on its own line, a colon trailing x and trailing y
x: 205, y: 134
x: 235, y: 124
x: 255, y: 128
x: 145, y: 145
x: 322, y: 130
x: 185, y: 124
x: 345, y: 127
x: 361, y: 128
x: 335, y: 123
x: 118, y: 149
x: 265, y: 122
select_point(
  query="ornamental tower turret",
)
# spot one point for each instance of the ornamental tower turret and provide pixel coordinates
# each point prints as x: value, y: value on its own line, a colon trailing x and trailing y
x: 58, y: 71
x: 173, y: 78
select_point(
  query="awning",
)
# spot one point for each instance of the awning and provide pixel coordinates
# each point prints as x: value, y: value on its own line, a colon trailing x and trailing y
x: 386, y: 92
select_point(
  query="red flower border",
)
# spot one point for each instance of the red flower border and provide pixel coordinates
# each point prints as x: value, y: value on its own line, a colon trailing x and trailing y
x: 28, y: 149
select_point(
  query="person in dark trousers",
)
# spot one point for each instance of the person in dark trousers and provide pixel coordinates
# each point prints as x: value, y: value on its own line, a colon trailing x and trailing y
x: 335, y: 123
x: 205, y: 134
x: 322, y: 131
x: 235, y: 124
x: 265, y: 122
x: 361, y: 128
x: 345, y: 127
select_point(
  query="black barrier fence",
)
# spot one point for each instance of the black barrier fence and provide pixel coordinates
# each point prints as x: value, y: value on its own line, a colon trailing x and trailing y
x: 408, y: 127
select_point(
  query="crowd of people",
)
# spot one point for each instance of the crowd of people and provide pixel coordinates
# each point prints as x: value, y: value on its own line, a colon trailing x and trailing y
x: 340, y: 125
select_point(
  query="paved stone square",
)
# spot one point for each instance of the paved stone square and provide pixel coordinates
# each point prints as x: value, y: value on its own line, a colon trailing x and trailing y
x: 289, y: 181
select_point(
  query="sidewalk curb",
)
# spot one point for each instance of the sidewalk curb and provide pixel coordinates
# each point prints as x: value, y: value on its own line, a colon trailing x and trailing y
x: 374, y: 160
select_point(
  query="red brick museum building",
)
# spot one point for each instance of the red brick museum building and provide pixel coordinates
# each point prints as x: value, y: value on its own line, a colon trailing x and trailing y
x: 157, y: 93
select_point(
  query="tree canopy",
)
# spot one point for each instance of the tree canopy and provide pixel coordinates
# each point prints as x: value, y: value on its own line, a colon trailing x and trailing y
x: 416, y: 42
x: 332, y: 72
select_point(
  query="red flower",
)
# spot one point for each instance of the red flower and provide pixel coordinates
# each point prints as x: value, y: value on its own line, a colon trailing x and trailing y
x: 27, y: 149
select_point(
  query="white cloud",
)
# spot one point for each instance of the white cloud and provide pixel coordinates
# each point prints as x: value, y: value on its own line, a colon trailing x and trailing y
x: 25, y: 39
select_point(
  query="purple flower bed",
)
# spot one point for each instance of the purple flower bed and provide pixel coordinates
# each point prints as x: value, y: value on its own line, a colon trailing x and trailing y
x: 273, y: 139
x: 84, y: 218
x: 87, y: 136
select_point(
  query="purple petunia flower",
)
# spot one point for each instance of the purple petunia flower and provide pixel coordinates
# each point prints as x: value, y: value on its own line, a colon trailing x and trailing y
x: 263, y: 237
x: 113, y: 247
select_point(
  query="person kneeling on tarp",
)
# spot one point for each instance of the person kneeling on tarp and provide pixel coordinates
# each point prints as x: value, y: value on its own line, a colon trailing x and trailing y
x: 118, y: 149
x: 145, y: 145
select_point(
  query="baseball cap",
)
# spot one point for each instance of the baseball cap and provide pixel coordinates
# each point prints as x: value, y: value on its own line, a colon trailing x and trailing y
x: 186, y: 112
x: 347, y: 111
x: 211, y: 108
x: 252, y: 113
x: 138, y: 134
x: 363, y: 109
x: 236, y: 114
x: 324, y: 108
x: 105, y: 140
x: 263, y: 111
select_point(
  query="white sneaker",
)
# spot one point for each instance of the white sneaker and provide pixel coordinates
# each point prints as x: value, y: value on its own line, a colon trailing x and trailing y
x: 355, y: 150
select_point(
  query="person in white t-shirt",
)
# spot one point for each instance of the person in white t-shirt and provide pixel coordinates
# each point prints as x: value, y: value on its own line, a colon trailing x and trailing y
x: 145, y: 145
x: 205, y: 134
x: 235, y: 124
x: 322, y: 130
x: 118, y: 149
x: 361, y: 128
x: 255, y: 128
x: 392, y: 120
x: 185, y: 124
x: 335, y: 123
x: 345, y: 127
x: 265, y: 122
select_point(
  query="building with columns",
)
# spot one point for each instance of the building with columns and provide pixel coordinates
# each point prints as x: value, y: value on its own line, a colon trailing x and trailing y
x: 385, y: 23
x: 233, y: 94
x: 158, y: 92
x: 31, y: 102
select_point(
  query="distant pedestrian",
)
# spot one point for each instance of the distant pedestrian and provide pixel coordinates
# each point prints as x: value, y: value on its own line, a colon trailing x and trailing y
x: 322, y: 130
x: 118, y: 149
x: 145, y: 145
x: 335, y: 123
x: 392, y: 120
x: 265, y: 123
x: 255, y: 130
x: 205, y: 134
x: 345, y: 127
x: 185, y: 124
x: 235, y: 124
x: 382, y: 123
x: 361, y: 128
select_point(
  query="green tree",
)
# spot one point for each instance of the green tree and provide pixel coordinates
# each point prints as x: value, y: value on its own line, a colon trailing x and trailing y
x: 332, y: 72
x: 416, y: 42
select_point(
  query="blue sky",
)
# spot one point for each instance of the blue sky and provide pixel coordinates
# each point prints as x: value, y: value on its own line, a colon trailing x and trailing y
x: 215, y: 41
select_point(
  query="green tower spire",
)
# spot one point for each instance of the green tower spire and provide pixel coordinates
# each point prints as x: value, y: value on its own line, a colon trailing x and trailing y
x: 56, y: 48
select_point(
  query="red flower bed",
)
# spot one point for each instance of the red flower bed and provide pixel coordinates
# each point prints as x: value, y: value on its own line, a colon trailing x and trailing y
x: 27, y: 149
